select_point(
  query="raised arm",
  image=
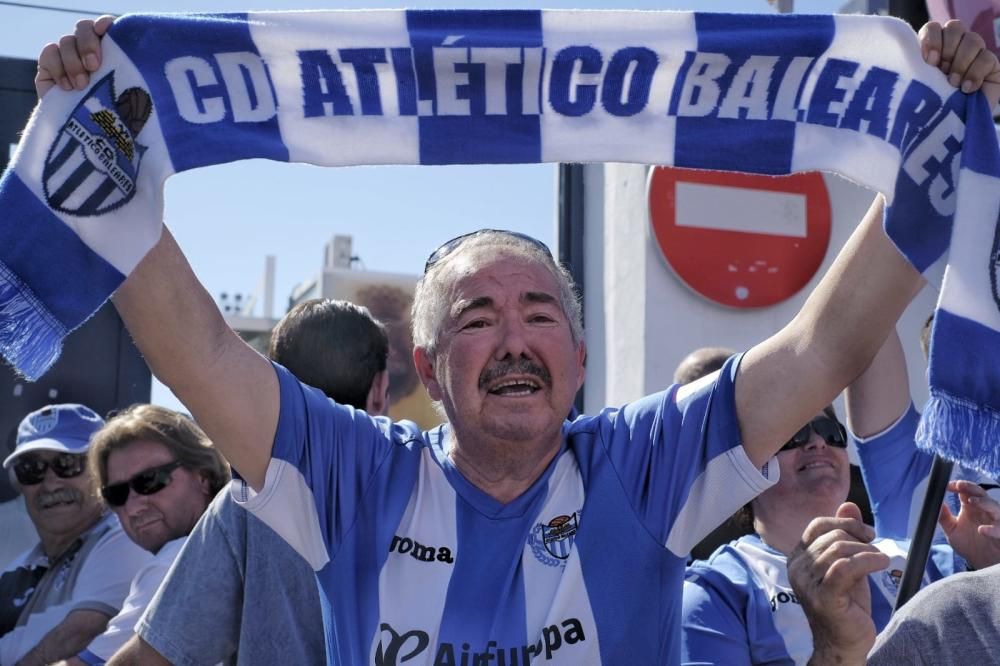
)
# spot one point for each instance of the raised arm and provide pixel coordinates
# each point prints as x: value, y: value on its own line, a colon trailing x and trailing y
x: 789, y: 377
x: 792, y: 375
x: 230, y: 389
x: 881, y: 394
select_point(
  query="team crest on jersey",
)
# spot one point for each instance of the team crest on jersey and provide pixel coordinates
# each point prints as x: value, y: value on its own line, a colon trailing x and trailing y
x: 890, y: 580
x: 91, y: 168
x: 551, y: 543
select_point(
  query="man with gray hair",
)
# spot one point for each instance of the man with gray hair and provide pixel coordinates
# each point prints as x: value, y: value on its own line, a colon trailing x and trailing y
x: 507, y: 534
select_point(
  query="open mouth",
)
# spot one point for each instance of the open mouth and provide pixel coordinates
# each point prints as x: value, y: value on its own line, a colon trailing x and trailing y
x: 816, y: 464
x: 516, y: 387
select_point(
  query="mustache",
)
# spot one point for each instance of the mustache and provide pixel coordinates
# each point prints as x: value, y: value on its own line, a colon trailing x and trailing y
x: 58, y: 496
x: 521, y: 366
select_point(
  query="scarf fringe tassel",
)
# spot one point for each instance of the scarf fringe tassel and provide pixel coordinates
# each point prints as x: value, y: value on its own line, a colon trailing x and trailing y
x: 960, y: 430
x: 30, y: 338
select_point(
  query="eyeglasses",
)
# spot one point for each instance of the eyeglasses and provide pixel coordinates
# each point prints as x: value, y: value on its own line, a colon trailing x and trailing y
x: 452, y: 245
x: 146, y: 482
x: 30, y: 470
x: 832, y: 432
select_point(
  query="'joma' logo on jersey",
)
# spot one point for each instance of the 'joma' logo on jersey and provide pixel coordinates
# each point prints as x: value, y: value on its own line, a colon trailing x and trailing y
x: 418, y: 551
x: 783, y: 598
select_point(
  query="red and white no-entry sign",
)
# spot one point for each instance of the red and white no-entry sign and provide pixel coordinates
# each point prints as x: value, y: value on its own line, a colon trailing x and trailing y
x: 741, y: 240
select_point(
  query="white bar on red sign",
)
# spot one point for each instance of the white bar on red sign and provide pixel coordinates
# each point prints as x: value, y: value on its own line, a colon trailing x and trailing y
x: 741, y: 209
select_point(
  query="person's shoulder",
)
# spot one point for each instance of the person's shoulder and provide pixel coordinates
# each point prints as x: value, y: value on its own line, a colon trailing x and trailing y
x: 32, y: 556
x: 609, y: 417
x: 724, y: 567
x: 976, y: 588
x: 964, y: 606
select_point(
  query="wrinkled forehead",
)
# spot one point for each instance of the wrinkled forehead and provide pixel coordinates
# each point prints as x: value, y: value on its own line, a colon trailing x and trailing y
x: 483, y: 269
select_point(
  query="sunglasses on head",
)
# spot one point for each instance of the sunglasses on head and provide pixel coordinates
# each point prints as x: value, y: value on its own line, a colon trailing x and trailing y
x: 832, y: 432
x: 146, y: 482
x: 30, y: 470
x: 452, y: 245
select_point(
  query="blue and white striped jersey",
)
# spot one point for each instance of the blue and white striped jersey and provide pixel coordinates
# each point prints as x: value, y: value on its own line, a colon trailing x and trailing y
x: 739, y: 607
x: 418, y: 566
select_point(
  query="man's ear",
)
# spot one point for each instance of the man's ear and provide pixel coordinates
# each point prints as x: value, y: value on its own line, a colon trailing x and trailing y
x: 205, y: 483
x: 377, y: 402
x: 424, y: 363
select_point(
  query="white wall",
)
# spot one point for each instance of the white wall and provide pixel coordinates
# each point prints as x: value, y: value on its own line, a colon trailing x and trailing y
x: 642, y: 320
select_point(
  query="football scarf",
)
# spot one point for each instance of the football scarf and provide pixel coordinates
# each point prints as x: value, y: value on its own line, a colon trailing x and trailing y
x: 83, y: 200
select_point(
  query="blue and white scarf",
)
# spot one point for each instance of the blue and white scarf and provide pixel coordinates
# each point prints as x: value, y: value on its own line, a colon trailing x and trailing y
x: 774, y: 94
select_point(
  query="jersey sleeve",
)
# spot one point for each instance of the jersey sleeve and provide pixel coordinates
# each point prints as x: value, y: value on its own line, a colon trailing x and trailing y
x: 194, y: 618
x: 712, y: 627
x: 324, y: 457
x: 892, y: 468
x: 680, y: 459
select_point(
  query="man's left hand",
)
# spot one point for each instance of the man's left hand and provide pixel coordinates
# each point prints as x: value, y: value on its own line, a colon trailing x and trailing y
x: 975, y: 532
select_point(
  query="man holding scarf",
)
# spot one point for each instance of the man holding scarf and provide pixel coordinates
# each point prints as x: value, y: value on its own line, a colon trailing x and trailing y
x: 508, y: 533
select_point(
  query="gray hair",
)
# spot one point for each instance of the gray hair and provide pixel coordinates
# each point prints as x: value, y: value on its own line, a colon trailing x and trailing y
x: 431, y: 300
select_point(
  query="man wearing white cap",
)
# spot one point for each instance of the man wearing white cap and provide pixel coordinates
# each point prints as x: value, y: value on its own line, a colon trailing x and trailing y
x: 60, y: 593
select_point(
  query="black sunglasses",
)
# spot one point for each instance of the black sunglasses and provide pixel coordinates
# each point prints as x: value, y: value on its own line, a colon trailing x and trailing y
x: 452, y: 245
x: 30, y: 470
x: 146, y: 482
x: 832, y: 432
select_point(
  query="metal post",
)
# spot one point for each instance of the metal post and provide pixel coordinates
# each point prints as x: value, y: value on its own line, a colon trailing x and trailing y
x: 571, y: 224
x: 920, y: 547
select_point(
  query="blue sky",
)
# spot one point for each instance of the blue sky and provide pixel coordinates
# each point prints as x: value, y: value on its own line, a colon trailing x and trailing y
x: 228, y: 218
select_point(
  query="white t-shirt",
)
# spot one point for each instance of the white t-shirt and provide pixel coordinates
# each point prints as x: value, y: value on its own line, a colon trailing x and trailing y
x: 122, y: 626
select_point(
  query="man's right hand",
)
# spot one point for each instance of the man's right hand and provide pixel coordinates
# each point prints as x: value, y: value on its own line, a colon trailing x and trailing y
x: 829, y: 574
x: 70, y: 63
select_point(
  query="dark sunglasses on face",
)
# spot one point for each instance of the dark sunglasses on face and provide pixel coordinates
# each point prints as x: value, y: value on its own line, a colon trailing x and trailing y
x: 30, y: 470
x: 146, y: 482
x: 831, y: 431
x: 452, y: 245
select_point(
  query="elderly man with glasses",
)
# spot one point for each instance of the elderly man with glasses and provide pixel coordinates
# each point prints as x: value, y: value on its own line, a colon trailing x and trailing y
x: 508, y: 534
x: 60, y: 594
